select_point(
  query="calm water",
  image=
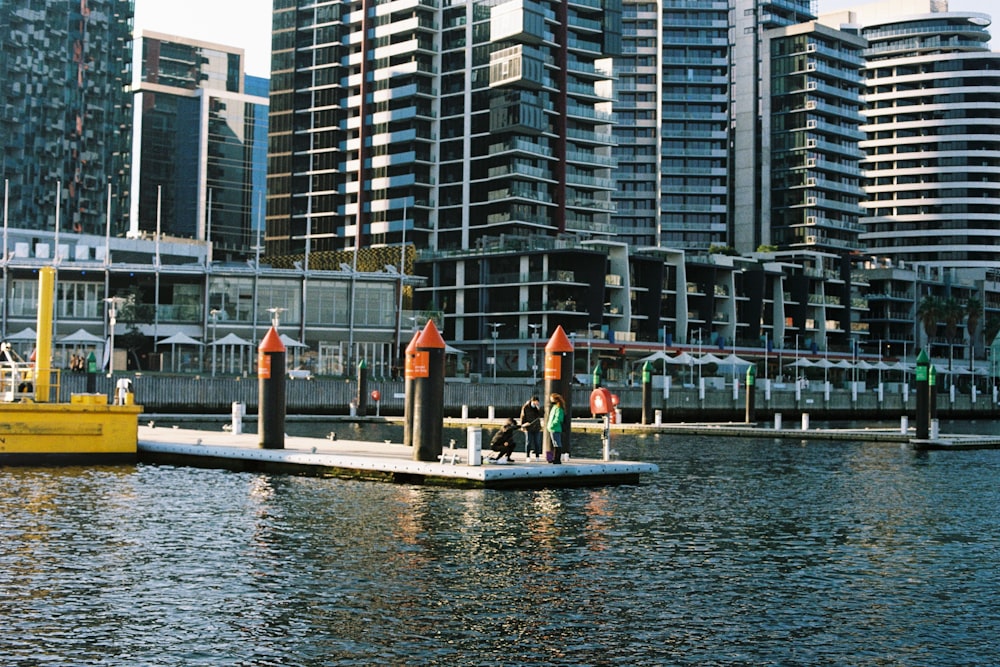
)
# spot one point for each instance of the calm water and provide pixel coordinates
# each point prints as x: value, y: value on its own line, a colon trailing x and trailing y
x: 739, y: 552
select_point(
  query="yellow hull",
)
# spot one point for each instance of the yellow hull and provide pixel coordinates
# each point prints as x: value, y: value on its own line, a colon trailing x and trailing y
x: 84, y: 431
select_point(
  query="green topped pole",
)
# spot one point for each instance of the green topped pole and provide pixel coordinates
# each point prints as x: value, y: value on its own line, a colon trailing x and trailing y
x: 596, y: 376
x: 932, y: 392
x: 647, y: 393
x: 922, y: 375
x: 751, y: 412
x: 91, y: 373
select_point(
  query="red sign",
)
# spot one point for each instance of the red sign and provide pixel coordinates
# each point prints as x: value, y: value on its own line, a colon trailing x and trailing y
x: 263, y: 365
x: 553, y: 367
x: 421, y: 364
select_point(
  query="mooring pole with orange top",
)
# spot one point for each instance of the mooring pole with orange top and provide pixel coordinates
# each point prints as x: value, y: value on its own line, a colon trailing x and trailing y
x: 408, y: 359
x: 559, y: 380
x: 271, y: 391
x: 428, y: 394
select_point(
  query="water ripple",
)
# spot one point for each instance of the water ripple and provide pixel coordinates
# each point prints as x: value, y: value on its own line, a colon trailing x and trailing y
x: 738, y: 552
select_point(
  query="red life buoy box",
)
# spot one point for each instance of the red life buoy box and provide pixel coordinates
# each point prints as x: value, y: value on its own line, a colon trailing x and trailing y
x: 601, y: 402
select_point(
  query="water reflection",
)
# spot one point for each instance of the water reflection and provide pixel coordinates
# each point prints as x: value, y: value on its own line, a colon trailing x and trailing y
x: 738, y: 552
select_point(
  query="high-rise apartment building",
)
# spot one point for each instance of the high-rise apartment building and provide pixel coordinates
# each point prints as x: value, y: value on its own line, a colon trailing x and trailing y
x: 460, y: 128
x: 65, y: 110
x: 932, y: 165
x: 737, y: 127
x: 672, y: 85
x: 810, y: 131
x: 198, y: 141
x: 931, y: 173
x: 443, y: 124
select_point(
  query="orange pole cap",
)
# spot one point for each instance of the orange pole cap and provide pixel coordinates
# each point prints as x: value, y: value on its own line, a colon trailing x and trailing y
x: 559, y: 342
x: 431, y: 337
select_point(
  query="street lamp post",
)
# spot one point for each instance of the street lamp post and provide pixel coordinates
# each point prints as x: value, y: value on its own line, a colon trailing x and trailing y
x: 496, y: 326
x: 765, y: 355
x: 699, y: 357
x: 113, y: 303
x: 215, y: 321
x: 880, y: 363
x: 534, y: 349
x: 590, y: 337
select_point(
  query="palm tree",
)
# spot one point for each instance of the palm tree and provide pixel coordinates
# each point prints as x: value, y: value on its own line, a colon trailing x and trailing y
x: 929, y: 314
x: 992, y: 328
x: 973, y: 311
x: 951, y: 312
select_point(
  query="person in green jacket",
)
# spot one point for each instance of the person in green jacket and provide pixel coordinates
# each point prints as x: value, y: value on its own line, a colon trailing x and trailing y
x: 554, y: 425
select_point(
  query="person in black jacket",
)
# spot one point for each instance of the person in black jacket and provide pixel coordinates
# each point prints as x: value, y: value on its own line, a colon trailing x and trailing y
x: 503, y: 442
x: 531, y: 424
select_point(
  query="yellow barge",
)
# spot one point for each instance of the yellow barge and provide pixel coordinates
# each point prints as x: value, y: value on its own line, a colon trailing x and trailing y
x: 35, y: 431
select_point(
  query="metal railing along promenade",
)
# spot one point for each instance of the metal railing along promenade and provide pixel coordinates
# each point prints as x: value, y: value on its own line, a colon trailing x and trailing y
x: 165, y: 393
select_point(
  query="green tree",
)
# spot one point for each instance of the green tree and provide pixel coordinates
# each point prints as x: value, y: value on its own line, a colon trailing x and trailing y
x: 951, y: 312
x: 131, y: 313
x: 992, y: 328
x: 929, y: 314
x: 973, y: 311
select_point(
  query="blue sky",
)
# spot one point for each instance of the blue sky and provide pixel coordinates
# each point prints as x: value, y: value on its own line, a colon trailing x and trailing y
x: 247, y: 23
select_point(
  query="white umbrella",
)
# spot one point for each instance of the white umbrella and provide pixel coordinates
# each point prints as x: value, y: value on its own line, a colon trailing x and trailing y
x: 733, y: 360
x: 179, y: 339
x: 843, y: 363
x: 656, y: 356
x: 291, y: 342
x: 231, y: 342
x: 175, y: 340
x: 709, y: 358
x: 801, y: 363
x: 80, y: 336
x: 293, y: 345
x: 27, y: 333
x: 683, y: 359
x: 231, y: 339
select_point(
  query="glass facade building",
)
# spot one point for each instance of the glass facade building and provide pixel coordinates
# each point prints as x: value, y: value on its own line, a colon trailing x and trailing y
x: 811, y: 124
x: 200, y: 138
x: 453, y: 127
x: 64, y: 112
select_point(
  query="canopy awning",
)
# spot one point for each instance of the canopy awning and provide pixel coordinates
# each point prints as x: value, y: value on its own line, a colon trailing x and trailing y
x: 80, y: 337
x: 27, y: 333
x: 231, y: 339
x: 291, y: 342
x: 684, y: 359
x: 179, y: 339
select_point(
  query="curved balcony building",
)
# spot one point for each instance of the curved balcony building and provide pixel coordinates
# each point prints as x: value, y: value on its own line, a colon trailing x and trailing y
x: 932, y: 165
